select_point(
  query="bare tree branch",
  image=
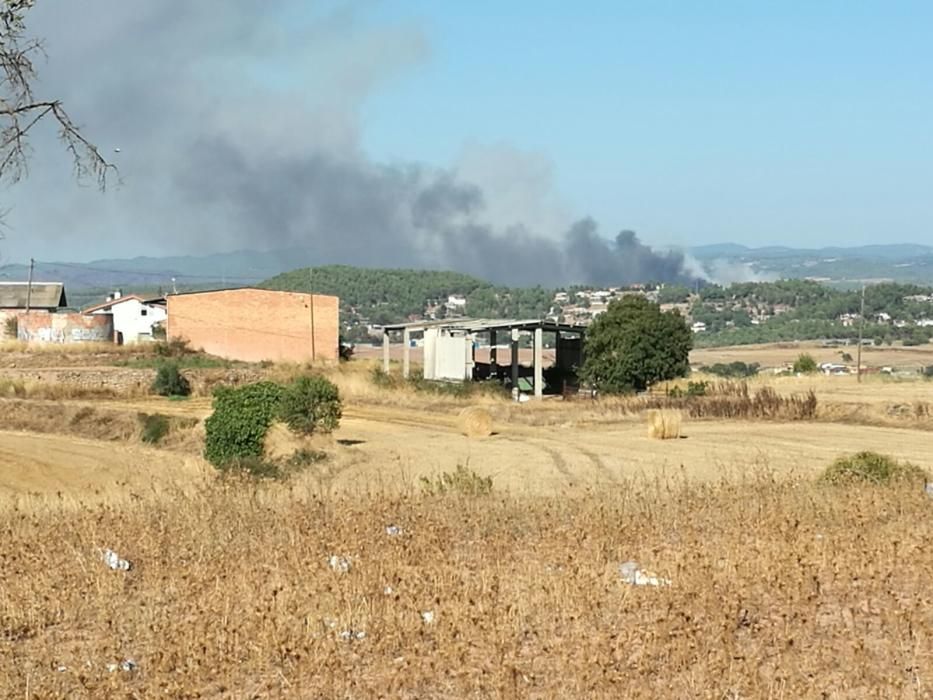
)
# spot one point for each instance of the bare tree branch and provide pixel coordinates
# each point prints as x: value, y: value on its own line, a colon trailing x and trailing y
x: 20, y: 111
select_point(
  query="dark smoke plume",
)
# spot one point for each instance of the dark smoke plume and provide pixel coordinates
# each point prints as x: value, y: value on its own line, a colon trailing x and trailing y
x: 215, y: 156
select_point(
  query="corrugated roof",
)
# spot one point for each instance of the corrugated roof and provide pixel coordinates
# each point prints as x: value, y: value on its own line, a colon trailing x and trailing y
x: 45, y: 295
x: 479, y: 325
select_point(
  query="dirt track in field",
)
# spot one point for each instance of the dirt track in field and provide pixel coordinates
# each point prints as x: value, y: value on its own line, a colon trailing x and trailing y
x: 391, y: 448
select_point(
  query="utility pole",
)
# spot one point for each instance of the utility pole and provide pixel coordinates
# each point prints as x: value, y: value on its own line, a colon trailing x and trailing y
x: 32, y: 266
x: 311, y: 304
x: 861, y: 326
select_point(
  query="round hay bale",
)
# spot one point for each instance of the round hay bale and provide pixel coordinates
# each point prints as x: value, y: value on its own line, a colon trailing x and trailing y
x: 664, y: 424
x: 475, y: 421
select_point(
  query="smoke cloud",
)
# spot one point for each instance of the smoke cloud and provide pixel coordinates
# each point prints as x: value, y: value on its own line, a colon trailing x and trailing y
x: 238, y: 126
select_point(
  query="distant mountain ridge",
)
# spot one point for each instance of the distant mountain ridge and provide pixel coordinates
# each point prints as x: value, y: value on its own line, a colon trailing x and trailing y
x: 907, y: 262
x: 893, y: 251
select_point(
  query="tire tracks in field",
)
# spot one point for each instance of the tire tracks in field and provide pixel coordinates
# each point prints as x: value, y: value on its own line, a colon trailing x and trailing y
x: 555, y: 448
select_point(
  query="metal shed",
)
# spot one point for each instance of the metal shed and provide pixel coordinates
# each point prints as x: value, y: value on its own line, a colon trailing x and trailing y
x: 449, y: 346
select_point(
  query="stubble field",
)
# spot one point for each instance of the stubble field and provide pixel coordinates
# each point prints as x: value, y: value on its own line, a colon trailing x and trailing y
x: 779, y: 586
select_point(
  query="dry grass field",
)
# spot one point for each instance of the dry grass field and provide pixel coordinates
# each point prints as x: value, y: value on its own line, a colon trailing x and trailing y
x: 780, y: 586
x: 780, y: 354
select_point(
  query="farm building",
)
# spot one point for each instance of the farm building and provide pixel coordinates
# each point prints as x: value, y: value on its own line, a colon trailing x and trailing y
x: 34, y: 312
x: 133, y: 316
x: 449, y: 349
x: 253, y: 325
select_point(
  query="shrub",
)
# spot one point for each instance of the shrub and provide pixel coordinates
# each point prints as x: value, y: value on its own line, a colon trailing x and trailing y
x: 12, y: 327
x: 733, y: 370
x: 169, y: 381
x: 462, y: 481
x: 847, y: 357
x: 310, y: 404
x: 383, y: 379
x: 871, y: 467
x: 154, y: 427
x: 927, y: 371
x: 236, y: 431
x: 805, y: 364
x: 176, y: 347
x: 693, y: 389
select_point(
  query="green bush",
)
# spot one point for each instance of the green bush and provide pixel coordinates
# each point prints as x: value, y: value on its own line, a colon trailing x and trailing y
x: 309, y: 405
x: 805, y: 364
x: 154, y: 427
x: 383, y: 379
x: 927, y: 371
x: 733, y: 370
x: 169, y: 381
x: 871, y: 467
x: 12, y: 327
x: 176, y: 347
x: 693, y: 389
x: 236, y: 431
x: 462, y: 481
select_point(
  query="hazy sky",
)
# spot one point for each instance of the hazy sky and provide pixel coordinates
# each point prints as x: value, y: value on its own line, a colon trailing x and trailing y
x: 398, y: 126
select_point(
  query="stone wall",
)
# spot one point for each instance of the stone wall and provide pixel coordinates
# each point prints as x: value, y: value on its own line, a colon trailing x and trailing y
x: 130, y: 381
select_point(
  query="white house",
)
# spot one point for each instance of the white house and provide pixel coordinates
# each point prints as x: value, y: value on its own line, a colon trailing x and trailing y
x: 133, y: 316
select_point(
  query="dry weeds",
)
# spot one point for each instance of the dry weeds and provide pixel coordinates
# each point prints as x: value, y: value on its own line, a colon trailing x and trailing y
x: 779, y: 590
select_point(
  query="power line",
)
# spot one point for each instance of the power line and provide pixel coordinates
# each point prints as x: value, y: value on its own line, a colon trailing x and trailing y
x: 163, y: 275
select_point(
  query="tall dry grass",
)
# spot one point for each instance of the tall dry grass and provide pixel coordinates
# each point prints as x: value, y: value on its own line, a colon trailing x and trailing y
x: 778, y: 590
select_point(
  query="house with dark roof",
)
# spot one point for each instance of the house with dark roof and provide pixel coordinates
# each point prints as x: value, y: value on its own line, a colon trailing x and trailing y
x: 39, y: 296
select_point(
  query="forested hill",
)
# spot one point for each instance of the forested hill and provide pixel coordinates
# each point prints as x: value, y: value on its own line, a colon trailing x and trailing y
x: 380, y: 296
x: 389, y: 296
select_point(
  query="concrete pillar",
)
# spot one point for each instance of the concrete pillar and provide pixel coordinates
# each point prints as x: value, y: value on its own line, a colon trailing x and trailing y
x: 515, y: 334
x: 557, y: 349
x: 406, y: 353
x: 385, y: 351
x: 539, y: 363
x: 493, y: 355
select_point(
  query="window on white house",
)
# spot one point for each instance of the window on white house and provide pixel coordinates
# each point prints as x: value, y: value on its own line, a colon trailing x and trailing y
x: 144, y: 312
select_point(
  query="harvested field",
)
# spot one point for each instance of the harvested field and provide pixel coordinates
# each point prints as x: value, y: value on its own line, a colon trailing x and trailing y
x: 780, y: 586
x: 779, y: 354
x: 77, y: 469
x: 777, y: 590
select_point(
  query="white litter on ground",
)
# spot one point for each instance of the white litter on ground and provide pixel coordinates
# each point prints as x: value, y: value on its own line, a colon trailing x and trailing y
x: 127, y: 666
x: 393, y: 531
x: 114, y: 562
x: 339, y: 564
x: 631, y: 573
x: 427, y: 617
x: 352, y: 635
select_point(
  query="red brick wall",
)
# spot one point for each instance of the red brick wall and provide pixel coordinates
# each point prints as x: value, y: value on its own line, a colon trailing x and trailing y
x: 256, y: 324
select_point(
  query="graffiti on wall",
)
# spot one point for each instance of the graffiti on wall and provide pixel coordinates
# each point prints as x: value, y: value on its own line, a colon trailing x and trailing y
x: 65, y: 328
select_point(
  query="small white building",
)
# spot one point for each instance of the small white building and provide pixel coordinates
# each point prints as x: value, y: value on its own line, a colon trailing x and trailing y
x: 133, y: 316
x: 698, y: 327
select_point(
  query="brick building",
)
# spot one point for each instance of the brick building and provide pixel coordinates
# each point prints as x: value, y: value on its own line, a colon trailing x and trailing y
x: 257, y: 324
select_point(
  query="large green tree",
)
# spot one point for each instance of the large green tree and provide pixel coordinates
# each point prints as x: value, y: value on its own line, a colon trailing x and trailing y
x: 633, y: 345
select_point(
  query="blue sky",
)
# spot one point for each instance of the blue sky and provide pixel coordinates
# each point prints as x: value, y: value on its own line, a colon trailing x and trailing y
x: 799, y: 123
x: 363, y: 129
